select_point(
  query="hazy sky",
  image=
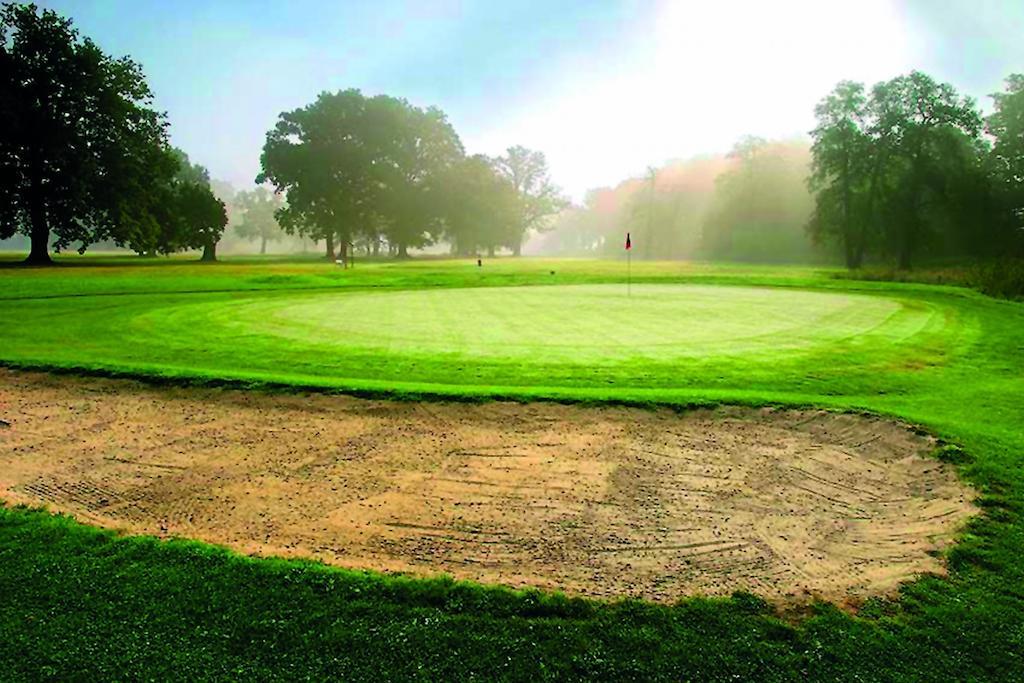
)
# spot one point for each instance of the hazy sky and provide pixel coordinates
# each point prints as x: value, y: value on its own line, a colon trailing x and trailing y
x: 603, y: 87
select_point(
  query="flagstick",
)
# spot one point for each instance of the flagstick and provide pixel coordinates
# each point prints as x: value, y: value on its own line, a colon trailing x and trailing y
x: 629, y: 272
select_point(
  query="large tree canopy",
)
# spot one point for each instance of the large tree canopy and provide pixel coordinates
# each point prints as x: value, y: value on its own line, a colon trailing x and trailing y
x: 183, y: 212
x: 919, y: 126
x: 350, y: 164
x: 81, y: 151
x: 900, y: 169
x: 318, y: 157
x: 199, y: 216
x: 412, y: 147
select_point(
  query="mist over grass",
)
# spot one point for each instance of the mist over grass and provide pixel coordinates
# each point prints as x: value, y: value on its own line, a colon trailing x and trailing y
x: 750, y: 205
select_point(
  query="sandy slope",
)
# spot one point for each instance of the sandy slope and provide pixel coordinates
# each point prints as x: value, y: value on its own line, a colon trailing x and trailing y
x: 597, y: 501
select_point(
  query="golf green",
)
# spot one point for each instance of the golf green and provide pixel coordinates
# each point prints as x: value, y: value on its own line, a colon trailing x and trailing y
x: 592, y: 324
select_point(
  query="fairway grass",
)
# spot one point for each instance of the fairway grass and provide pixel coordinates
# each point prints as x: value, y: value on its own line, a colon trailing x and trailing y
x: 945, y: 358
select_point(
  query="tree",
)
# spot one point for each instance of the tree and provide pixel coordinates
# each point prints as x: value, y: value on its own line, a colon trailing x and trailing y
x: 901, y: 171
x: 203, y: 217
x: 539, y: 198
x: 918, y: 127
x: 322, y: 158
x: 840, y: 170
x: 349, y: 164
x: 480, y: 207
x: 258, y: 221
x: 412, y: 148
x: 1006, y: 126
x: 185, y: 213
x: 81, y: 151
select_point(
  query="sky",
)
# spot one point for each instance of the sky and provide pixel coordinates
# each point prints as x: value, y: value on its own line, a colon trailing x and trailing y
x: 605, y: 88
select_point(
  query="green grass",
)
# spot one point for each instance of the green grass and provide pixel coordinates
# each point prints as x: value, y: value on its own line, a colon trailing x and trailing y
x: 87, y: 604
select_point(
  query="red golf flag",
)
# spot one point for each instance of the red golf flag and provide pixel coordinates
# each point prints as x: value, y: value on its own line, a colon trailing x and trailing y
x: 629, y: 245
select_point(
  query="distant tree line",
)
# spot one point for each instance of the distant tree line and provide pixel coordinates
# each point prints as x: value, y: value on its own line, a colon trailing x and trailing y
x: 83, y: 156
x: 382, y: 173
x: 748, y: 205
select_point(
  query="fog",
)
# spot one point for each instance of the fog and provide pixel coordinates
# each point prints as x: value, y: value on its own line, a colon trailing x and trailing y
x: 751, y: 204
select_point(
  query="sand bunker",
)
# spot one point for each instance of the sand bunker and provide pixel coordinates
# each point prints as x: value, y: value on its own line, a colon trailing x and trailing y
x: 596, y: 501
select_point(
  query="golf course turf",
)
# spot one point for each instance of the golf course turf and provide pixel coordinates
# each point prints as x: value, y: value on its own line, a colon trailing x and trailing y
x: 80, y: 602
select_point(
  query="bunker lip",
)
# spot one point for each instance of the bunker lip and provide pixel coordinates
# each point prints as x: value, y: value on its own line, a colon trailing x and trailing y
x: 599, y: 501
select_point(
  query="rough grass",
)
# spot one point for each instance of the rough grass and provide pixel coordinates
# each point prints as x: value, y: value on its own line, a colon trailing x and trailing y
x: 79, y: 603
x: 1002, y: 278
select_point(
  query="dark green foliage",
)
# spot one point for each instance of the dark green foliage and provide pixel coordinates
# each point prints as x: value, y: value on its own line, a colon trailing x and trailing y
x: 83, y: 157
x: 366, y: 169
x: 202, y: 218
x: 80, y: 148
x: 953, y: 455
x: 411, y: 147
x: 841, y: 172
x: 185, y: 213
x: 1002, y: 278
x: 1006, y: 125
x: 902, y: 173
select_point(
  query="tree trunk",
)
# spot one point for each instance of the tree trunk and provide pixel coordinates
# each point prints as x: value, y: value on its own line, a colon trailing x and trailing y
x: 39, y: 255
x: 376, y: 246
x: 517, y: 249
x: 848, y: 239
x: 263, y: 245
x: 906, y: 249
x: 855, y: 253
x: 907, y: 244
x: 851, y: 252
x: 904, y: 262
x: 209, y: 253
x: 403, y: 250
x: 330, y: 247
